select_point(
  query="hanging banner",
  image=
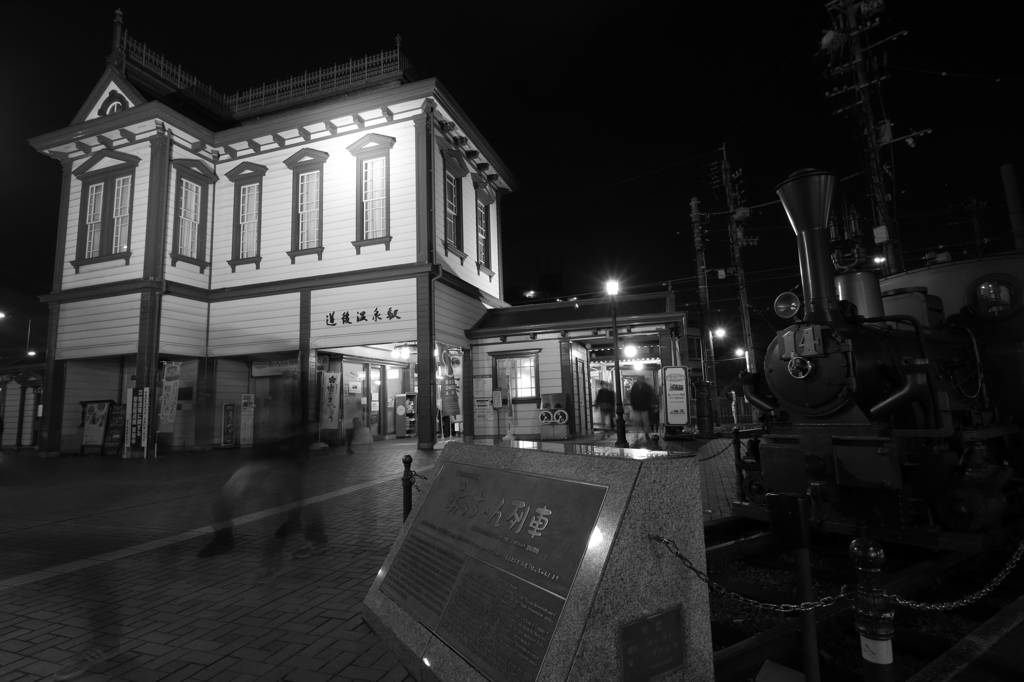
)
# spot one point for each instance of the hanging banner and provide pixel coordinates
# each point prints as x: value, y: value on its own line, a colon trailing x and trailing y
x: 330, y: 401
x: 169, y: 393
x: 448, y: 383
x: 248, y: 414
x: 227, y: 425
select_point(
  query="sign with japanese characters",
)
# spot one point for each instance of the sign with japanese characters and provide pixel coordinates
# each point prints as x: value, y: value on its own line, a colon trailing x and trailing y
x: 334, y: 318
x: 676, y: 385
x: 274, y: 368
x: 330, y: 400
x: 169, y: 392
x: 138, y: 427
x: 493, y: 546
x: 248, y: 412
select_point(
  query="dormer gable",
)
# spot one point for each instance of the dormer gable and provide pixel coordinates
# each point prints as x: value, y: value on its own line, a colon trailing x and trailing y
x: 306, y: 155
x: 112, y: 95
x: 196, y: 166
x: 369, y: 142
x: 105, y: 160
x: 246, y: 170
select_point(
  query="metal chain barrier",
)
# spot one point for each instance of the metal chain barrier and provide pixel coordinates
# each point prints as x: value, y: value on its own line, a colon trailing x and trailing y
x: 780, y: 608
x: 964, y: 601
x: 726, y: 447
x: 413, y: 476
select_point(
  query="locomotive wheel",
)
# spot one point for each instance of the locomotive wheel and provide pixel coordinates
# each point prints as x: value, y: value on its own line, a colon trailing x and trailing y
x: 561, y: 417
x: 753, y: 487
x: 545, y: 417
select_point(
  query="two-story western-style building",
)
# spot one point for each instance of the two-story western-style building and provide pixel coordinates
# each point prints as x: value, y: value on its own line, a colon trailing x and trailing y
x: 347, y: 221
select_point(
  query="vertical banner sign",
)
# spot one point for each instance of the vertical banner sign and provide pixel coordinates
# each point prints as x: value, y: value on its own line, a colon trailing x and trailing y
x: 169, y: 395
x: 248, y: 414
x: 448, y: 383
x: 95, y: 422
x: 227, y: 426
x: 676, y: 384
x: 330, y: 401
x: 137, y: 414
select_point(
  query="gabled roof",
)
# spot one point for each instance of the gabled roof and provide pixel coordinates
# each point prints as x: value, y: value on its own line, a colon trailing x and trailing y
x: 580, y: 314
x: 111, y: 85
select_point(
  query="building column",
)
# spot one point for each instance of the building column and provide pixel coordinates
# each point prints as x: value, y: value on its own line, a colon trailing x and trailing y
x: 307, y: 370
x: 53, y: 390
x: 468, y: 395
x: 148, y: 357
x: 426, y: 365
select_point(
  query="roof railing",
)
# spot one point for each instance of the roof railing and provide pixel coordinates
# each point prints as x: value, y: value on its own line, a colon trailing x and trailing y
x: 268, y: 96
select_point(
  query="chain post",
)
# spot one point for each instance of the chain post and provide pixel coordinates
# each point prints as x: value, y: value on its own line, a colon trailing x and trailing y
x: 874, y: 611
x: 406, y: 487
x: 738, y: 456
x: 790, y: 520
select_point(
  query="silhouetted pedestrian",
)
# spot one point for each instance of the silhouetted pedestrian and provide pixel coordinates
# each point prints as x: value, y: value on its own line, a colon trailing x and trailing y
x: 641, y: 399
x: 605, y: 402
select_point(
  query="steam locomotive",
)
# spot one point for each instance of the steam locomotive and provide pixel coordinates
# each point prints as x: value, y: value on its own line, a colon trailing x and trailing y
x: 894, y: 404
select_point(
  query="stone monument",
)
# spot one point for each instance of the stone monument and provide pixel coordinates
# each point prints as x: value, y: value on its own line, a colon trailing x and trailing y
x: 525, y: 564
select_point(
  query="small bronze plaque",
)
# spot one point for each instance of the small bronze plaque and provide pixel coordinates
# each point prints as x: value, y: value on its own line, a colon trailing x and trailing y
x: 489, y: 561
x: 652, y: 646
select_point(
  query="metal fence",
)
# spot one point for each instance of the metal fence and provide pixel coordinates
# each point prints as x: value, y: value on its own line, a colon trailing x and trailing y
x: 269, y: 96
x: 736, y: 411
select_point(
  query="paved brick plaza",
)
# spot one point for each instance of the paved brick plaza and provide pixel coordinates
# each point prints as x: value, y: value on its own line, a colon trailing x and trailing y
x: 100, y: 554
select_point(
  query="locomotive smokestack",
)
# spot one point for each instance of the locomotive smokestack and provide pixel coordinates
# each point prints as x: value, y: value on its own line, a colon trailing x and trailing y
x: 807, y: 198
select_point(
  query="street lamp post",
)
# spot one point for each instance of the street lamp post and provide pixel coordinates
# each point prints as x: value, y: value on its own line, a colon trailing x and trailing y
x: 620, y: 423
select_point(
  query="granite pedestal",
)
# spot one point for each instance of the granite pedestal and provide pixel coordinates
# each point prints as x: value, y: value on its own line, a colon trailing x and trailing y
x: 535, y: 564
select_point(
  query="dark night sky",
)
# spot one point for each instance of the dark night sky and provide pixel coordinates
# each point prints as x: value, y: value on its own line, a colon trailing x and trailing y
x: 609, y: 115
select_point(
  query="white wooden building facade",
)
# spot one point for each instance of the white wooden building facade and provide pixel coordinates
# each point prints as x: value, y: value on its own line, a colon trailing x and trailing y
x: 318, y: 230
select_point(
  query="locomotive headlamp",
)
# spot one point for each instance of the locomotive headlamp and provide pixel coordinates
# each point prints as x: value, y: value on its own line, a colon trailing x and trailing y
x: 787, y: 304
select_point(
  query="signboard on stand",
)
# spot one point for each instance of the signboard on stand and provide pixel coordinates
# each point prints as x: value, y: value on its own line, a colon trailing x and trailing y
x: 95, y: 418
x: 114, y: 440
x: 676, y: 386
x: 248, y: 414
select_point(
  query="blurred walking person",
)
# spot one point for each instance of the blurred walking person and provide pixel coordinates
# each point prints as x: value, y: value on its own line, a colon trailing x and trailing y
x: 274, y: 476
x: 605, y: 402
x: 641, y: 399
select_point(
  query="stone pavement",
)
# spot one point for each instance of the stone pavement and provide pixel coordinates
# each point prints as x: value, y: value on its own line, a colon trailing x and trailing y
x: 99, y: 555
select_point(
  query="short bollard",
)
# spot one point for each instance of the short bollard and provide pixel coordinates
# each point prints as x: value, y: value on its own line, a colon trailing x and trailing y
x: 738, y: 457
x: 406, y: 487
x: 790, y: 520
x: 874, y: 611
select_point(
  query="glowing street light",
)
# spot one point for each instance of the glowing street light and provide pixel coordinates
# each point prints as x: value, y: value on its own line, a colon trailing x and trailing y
x: 720, y: 333
x: 740, y: 352
x: 612, y: 287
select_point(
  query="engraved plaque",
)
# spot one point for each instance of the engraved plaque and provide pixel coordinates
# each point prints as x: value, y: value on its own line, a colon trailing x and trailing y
x: 652, y: 646
x: 489, y: 561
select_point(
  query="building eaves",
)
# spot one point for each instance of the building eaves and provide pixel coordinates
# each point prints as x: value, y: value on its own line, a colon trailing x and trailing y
x: 567, y: 316
x: 448, y: 103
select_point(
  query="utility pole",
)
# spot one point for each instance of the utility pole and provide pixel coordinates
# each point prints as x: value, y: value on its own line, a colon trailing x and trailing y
x: 852, y: 27
x: 737, y: 214
x: 707, y: 355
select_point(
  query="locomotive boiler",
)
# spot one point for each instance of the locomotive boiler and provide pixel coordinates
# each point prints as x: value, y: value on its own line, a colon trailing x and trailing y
x: 894, y: 405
